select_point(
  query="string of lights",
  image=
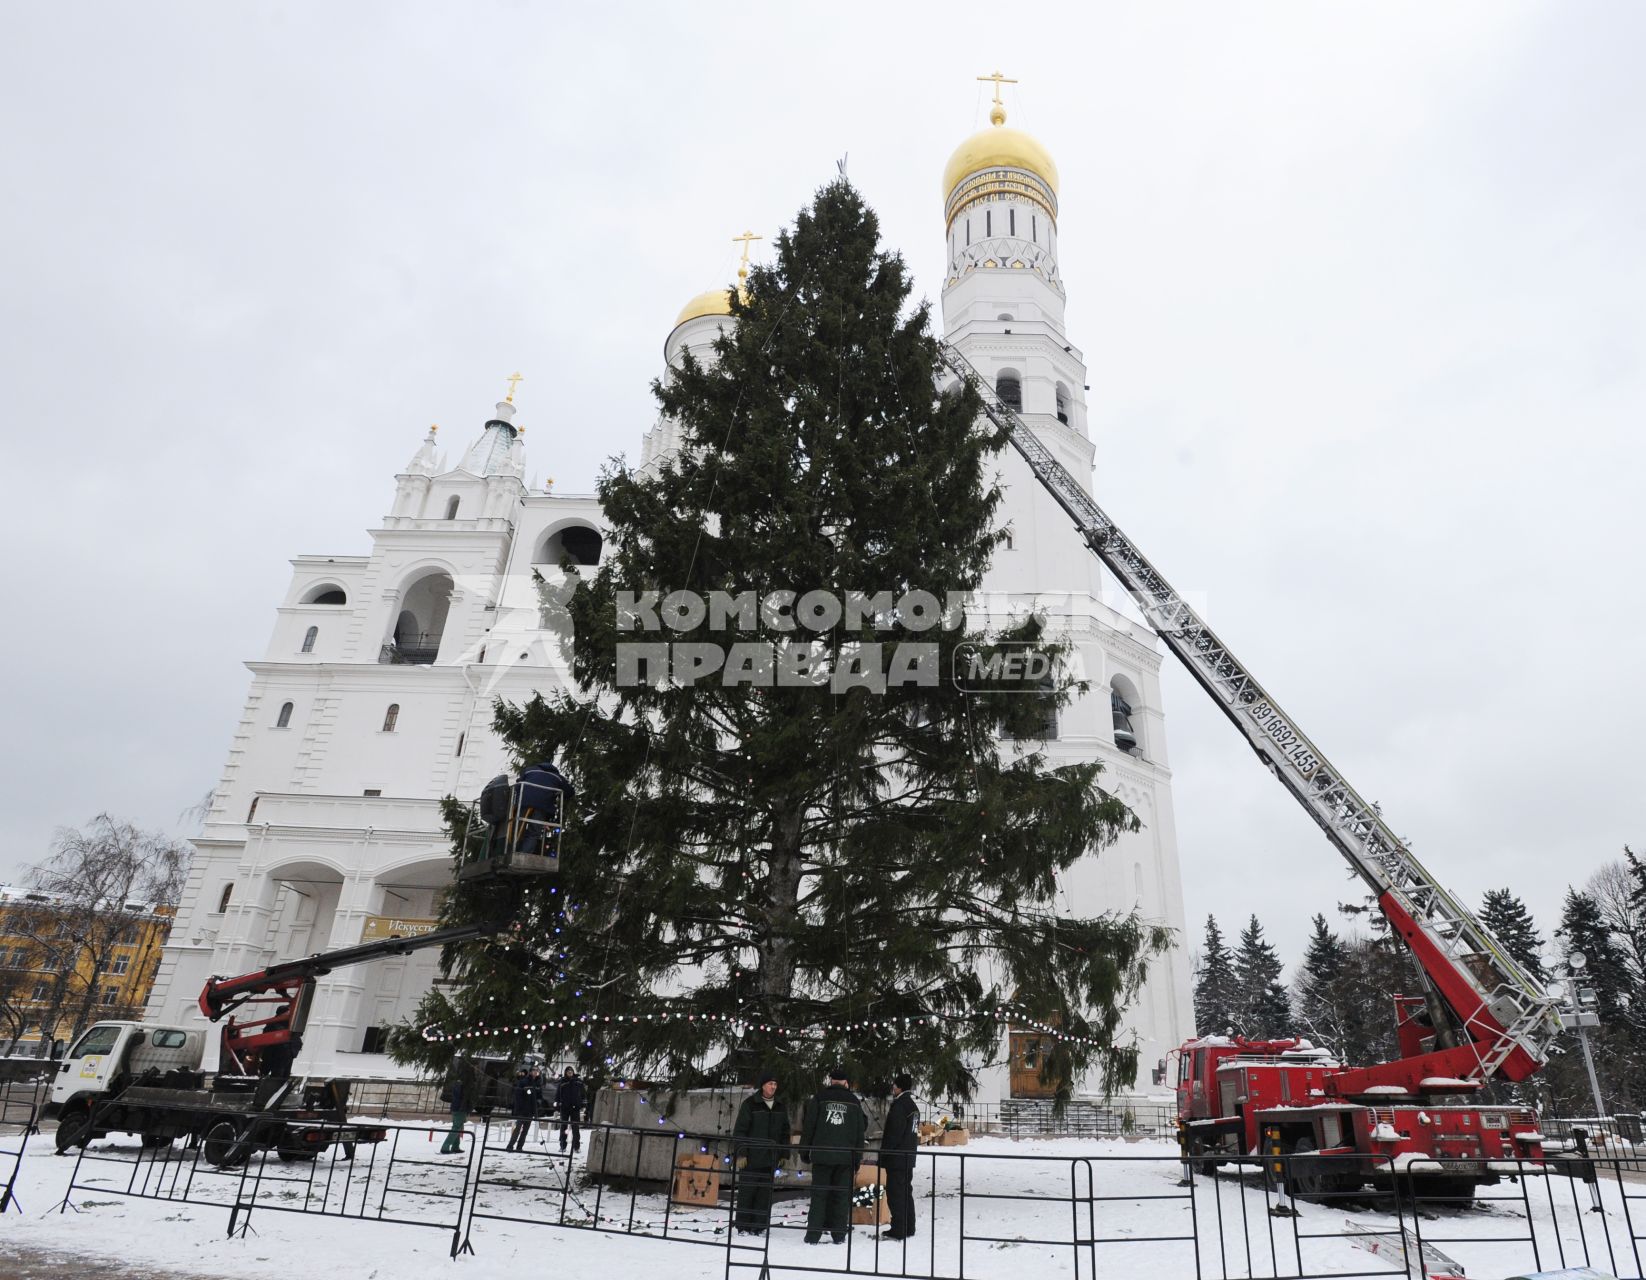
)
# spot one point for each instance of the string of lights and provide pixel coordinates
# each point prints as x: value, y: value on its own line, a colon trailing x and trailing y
x: 741, y: 1025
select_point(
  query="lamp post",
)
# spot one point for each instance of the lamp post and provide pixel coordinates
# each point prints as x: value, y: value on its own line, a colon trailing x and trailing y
x: 1580, y: 1012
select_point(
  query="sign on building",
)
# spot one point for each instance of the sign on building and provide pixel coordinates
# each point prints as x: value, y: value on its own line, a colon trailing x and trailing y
x: 379, y: 927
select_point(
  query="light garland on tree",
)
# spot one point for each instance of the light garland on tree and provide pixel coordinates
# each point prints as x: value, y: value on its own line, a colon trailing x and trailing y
x: 740, y: 1025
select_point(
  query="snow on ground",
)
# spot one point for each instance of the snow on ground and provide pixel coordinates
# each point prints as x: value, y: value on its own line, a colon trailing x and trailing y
x: 1017, y: 1220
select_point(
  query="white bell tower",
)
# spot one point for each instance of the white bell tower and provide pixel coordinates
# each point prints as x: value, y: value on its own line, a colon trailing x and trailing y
x: 1003, y: 309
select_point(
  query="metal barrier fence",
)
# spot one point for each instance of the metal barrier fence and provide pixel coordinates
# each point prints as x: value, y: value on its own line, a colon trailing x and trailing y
x: 979, y: 1214
x: 20, y: 1102
x: 539, y: 1188
x: 1622, y: 1136
x: 982, y: 1215
x: 1038, y: 1118
x: 379, y: 1097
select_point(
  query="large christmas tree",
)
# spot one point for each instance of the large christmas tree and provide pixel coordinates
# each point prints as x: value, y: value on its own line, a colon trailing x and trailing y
x: 774, y: 874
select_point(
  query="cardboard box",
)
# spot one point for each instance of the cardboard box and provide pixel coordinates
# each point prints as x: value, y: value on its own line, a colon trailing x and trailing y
x: 955, y: 1138
x: 878, y: 1213
x: 930, y: 1135
x: 696, y: 1179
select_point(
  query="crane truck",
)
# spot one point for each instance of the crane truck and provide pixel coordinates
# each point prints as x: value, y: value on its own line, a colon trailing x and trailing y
x: 1480, y: 1016
x: 149, y: 1079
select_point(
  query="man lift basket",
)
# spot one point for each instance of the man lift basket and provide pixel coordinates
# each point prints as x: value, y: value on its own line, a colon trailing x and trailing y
x: 514, y: 829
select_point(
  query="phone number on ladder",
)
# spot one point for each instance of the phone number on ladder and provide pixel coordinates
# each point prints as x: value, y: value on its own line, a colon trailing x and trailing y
x: 1286, y: 738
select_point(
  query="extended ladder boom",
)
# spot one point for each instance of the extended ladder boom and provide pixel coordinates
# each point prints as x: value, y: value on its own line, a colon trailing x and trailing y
x: 1504, y: 1013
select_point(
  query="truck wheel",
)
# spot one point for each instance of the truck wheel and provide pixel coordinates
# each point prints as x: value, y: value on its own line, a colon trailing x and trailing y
x: 73, y: 1130
x: 1309, y: 1178
x: 222, y: 1147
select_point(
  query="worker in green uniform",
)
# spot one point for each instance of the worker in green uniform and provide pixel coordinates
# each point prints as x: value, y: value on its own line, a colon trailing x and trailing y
x: 832, y: 1134
x: 762, y: 1138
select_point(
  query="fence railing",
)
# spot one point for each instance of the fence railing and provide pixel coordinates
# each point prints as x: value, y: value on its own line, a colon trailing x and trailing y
x: 1037, y: 1118
x: 20, y: 1103
x: 398, y: 1180
x: 978, y: 1213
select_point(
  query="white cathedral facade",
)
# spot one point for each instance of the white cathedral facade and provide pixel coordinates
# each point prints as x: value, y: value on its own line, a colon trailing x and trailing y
x: 373, y: 698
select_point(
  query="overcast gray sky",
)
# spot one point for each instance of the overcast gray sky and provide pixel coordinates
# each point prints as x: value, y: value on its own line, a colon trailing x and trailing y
x: 1362, y: 289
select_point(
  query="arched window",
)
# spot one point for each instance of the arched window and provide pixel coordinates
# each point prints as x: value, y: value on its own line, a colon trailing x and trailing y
x: 577, y: 542
x: 284, y: 722
x: 325, y: 593
x: 1121, y: 705
x: 1009, y: 387
x: 309, y: 637
x: 451, y: 507
x: 1004, y: 315
x: 1062, y: 404
x: 391, y: 717
x: 421, y: 623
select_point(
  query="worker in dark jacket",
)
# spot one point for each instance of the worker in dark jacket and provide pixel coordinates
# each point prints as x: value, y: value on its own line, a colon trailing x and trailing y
x: 536, y: 787
x: 568, y: 1101
x: 760, y: 1139
x: 523, y: 1107
x: 459, y: 1095
x: 832, y: 1130
x: 274, y: 1062
x: 899, y: 1146
x: 538, y: 781
x: 494, y: 812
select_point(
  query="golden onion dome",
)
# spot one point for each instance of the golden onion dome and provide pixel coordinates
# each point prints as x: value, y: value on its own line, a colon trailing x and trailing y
x: 999, y: 147
x: 716, y: 302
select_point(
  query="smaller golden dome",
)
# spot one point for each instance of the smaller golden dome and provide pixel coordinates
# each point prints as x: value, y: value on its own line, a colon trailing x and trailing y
x: 716, y: 302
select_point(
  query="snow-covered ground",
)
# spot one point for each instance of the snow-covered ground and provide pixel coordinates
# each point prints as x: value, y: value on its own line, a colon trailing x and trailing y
x: 1016, y: 1217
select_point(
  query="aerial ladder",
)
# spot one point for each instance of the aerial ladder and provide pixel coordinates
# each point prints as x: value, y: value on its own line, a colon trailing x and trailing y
x: 1495, y: 1018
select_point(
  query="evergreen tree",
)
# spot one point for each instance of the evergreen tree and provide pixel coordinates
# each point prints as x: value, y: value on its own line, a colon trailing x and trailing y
x: 1378, y: 968
x: 1619, y: 1056
x: 1318, y: 988
x: 795, y: 864
x: 1506, y: 917
x: 1263, y: 1011
x: 1215, y: 989
x: 1584, y: 930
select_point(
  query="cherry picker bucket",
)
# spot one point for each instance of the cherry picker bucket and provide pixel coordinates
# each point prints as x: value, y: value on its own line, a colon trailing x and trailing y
x: 527, y: 843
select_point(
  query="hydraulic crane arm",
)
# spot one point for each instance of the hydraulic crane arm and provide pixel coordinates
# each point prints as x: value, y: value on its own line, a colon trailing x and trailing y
x: 223, y: 995
x: 1506, y: 1019
x: 288, y: 986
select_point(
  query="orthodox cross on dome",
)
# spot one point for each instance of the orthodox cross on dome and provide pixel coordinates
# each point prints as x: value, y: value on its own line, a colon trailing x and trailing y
x: 997, y: 113
x: 747, y: 238
x: 514, y: 379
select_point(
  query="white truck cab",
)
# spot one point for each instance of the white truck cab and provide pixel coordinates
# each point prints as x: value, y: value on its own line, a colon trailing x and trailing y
x: 111, y: 1053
